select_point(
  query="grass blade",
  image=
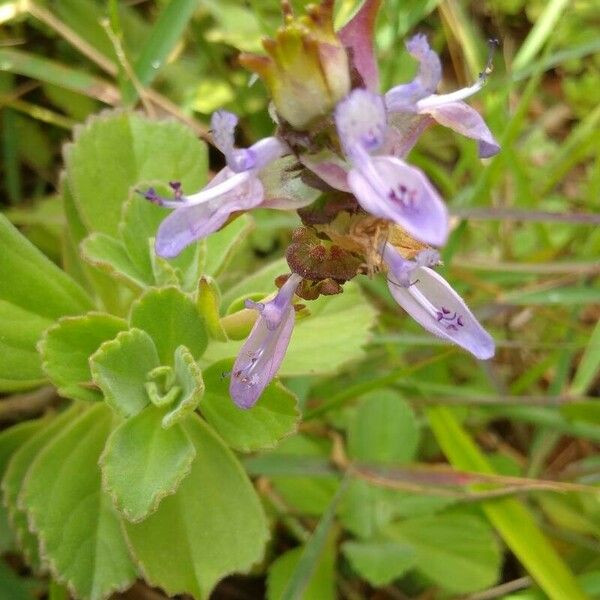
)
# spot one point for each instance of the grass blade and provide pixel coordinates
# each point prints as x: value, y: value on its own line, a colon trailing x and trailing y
x: 589, y: 366
x: 541, y: 31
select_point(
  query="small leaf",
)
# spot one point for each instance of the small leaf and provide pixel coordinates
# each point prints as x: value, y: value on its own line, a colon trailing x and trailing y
x: 114, y: 152
x: 20, y: 363
x: 172, y: 320
x: 379, y: 562
x: 120, y: 367
x: 456, y: 551
x: 273, y: 417
x: 212, y: 526
x: 142, y: 463
x: 109, y: 255
x: 79, y: 529
x: 383, y: 430
x: 188, y: 378
x: 67, y: 346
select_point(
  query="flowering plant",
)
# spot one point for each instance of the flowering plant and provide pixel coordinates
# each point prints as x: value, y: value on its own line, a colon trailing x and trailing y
x: 338, y: 157
x: 198, y: 406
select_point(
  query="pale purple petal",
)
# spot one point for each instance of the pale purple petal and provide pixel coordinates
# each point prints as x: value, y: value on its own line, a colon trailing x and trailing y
x: 430, y: 67
x: 329, y: 167
x: 403, y: 98
x: 262, y: 353
x: 223, y: 124
x: 260, y: 359
x: 357, y: 37
x: 361, y: 122
x: 187, y: 224
x: 467, y: 121
x: 431, y: 302
x: 391, y: 189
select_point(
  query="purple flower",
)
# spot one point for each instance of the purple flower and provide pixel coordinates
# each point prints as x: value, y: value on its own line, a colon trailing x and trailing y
x: 428, y: 299
x: 386, y: 186
x: 262, y: 353
x: 236, y: 187
x: 418, y: 100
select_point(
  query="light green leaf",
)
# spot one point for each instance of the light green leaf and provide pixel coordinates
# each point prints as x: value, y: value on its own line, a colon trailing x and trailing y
x: 379, y: 562
x: 66, y: 348
x: 20, y: 363
x: 273, y: 417
x: 11, y: 440
x: 456, y: 551
x: 120, y: 367
x: 383, y: 430
x: 212, y: 526
x: 222, y: 245
x: 34, y: 283
x: 109, y: 255
x: 172, y: 319
x: 321, y: 586
x: 114, y: 152
x: 142, y: 463
x: 12, y: 483
x: 79, y: 529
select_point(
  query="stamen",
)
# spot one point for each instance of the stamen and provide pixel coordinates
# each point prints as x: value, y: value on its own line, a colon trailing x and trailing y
x: 436, y: 100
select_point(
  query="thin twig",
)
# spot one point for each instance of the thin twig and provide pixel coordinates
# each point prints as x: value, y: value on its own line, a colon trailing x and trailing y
x: 501, y: 590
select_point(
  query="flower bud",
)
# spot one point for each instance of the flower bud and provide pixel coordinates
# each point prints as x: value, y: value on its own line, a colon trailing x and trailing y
x: 306, y: 70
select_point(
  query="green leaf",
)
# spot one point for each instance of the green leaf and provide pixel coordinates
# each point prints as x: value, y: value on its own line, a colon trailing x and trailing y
x: 14, y: 477
x: 66, y: 348
x: 120, y: 367
x: 172, y: 319
x: 212, y: 526
x: 189, y: 382
x: 79, y: 529
x: 222, y: 245
x: 11, y: 440
x: 20, y: 363
x: 142, y: 463
x: 383, y: 430
x: 379, y: 562
x: 456, y: 551
x: 321, y: 586
x: 114, y: 152
x: 510, y: 517
x: 164, y: 37
x: 34, y: 283
x: 273, y: 417
x: 110, y: 255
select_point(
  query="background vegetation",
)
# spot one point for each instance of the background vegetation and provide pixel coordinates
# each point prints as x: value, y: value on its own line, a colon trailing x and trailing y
x: 524, y: 252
